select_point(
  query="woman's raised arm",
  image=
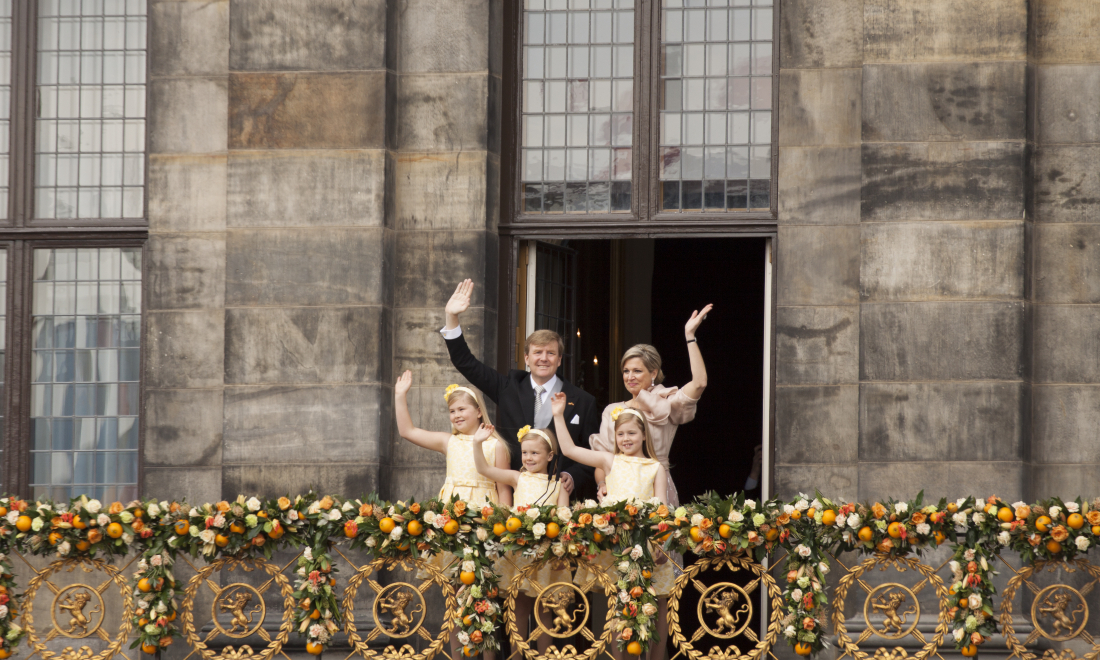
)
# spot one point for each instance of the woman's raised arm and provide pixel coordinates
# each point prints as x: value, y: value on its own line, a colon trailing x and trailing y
x: 698, y: 383
x: 596, y: 459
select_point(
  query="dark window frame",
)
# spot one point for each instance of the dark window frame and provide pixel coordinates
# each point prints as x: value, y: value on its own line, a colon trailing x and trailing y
x: 645, y: 196
x: 21, y: 233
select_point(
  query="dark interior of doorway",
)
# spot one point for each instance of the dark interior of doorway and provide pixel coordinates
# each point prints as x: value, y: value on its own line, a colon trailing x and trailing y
x: 683, y: 274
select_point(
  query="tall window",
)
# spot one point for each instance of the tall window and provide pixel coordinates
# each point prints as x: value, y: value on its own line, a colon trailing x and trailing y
x: 644, y: 108
x: 73, y: 86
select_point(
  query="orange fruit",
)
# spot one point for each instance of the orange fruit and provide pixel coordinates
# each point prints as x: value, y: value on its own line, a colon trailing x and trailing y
x: 236, y: 527
x: 803, y: 649
x: 894, y: 530
x: 3, y: 511
x: 513, y: 524
x: 969, y: 650
x: 646, y: 573
x: 54, y: 538
x: 114, y: 530
x: 23, y: 524
x: 1054, y: 547
x: 386, y: 525
x: 314, y: 648
x: 182, y: 527
x: 552, y: 530
x: 811, y: 512
x: 450, y: 527
x: 952, y: 507
x: 315, y: 614
x: 725, y: 531
x: 415, y: 528
x: 171, y: 617
x: 796, y: 514
x: 83, y: 545
x: 1075, y: 521
x: 143, y: 621
x: 1004, y: 514
x: 940, y: 538
x: 403, y: 546
x: 77, y: 522
x: 828, y: 517
x: 866, y: 534
x: 1096, y: 530
x: 467, y: 577
x: 597, y: 537
x: 772, y: 534
x: 138, y: 513
x: 276, y: 531
x: 145, y: 585
x: 468, y: 620
x: 4, y: 654
x: 634, y: 648
x: 149, y: 648
x: 468, y: 652
x: 696, y: 535
x: 1042, y: 524
x: 498, y: 529
x: 221, y: 541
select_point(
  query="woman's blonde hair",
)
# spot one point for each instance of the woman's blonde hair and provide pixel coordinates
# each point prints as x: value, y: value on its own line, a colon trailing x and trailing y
x: 476, y: 400
x: 637, y: 418
x: 649, y: 357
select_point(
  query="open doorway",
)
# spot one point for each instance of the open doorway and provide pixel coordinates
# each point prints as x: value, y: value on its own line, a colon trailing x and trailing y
x: 604, y: 296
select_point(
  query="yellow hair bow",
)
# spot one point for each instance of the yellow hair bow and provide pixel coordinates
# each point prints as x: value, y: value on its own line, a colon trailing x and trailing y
x: 523, y: 432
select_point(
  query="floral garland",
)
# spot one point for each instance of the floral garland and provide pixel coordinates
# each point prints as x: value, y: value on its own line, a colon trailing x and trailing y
x: 10, y: 632
x: 1049, y: 529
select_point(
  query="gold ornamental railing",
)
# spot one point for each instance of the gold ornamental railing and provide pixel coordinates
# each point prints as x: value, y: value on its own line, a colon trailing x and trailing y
x: 407, y: 580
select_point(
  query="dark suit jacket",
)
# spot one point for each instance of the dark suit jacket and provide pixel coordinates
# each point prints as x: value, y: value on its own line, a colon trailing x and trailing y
x: 515, y: 399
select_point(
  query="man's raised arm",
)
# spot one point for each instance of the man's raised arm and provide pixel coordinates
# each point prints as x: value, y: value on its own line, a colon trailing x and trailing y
x: 480, y: 375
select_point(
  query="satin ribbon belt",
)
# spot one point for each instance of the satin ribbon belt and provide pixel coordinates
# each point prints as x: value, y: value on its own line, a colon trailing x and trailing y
x: 463, y: 483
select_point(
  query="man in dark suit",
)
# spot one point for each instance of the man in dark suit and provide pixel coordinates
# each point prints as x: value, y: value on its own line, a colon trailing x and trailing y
x: 522, y: 397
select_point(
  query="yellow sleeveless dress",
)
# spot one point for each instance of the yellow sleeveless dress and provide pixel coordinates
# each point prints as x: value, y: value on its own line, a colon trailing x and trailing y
x: 532, y: 489
x: 631, y: 478
x: 464, y: 480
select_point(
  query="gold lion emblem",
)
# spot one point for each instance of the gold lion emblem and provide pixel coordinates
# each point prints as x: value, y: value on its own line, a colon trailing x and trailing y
x: 720, y: 602
x: 1055, y: 606
x: 395, y: 605
x: 889, y: 604
x: 557, y: 603
x: 75, y: 605
x: 235, y: 605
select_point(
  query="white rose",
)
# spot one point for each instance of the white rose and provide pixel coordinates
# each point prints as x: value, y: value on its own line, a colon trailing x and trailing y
x: 1082, y: 543
x: 803, y: 550
x: 796, y: 594
x: 824, y: 568
x: 1073, y: 507
x: 590, y: 504
x: 154, y: 510
x: 750, y: 504
x: 649, y: 609
x: 801, y: 505
x: 854, y: 520
x: 959, y: 519
x: 13, y: 516
x: 463, y: 637
x: 558, y: 549
x: 969, y: 555
x: 253, y: 504
x: 788, y: 509
x: 841, y: 521
x: 335, y: 515
x: 63, y: 549
x: 816, y: 504
x: 315, y: 508
x: 978, y: 518
x: 975, y: 601
x: 960, y: 502
x: 533, y: 513
x: 789, y: 631
x: 127, y: 538
x: 162, y: 608
x: 624, y: 597
x: 481, y: 534
x: 3, y: 611
x: 156, y: 560
x: 1004, y: 538
x: 958, y: 633
x: 1054, y: 511
x: 219, y: 521
x: 93, y: 506
x: 397, y: 532
x: 697, y: 519
x: 924, y: 528
x: 371, y: 542
x: 37, y: 524
x: 900, y: 507
x: 538, y: 530
x: 348, y: 506
x: 636, y: 552
x: 624, y: 566
x: 735, y: 516
x: 293, y: 514
x: 468, y: 566
x: 206, y: 536
x: 308, y: 552
x: 564, y: 514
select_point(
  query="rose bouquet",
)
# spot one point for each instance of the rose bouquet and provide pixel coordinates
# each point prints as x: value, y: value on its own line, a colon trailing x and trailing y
x: 896, y: 527
x: 805, y: 598
x: 1050, y: 529
x: 714, y: 525
x: 318, y: 613
x: 10, y: 632
x: 635, y: 621
x: 81, y: 527
x: 242, y: 526
x: 154, y: 600
x: 971, y: 596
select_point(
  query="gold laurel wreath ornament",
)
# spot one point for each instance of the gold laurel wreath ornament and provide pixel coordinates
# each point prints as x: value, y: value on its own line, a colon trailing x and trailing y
x: 1058, y: 612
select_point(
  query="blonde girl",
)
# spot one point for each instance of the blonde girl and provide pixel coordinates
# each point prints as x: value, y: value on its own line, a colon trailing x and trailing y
x: 632, y: 474
x: 532, y: 485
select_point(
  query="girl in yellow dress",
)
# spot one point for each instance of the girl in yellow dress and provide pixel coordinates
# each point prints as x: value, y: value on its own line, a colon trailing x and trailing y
x: 632, y: 474
x: 532, y: 485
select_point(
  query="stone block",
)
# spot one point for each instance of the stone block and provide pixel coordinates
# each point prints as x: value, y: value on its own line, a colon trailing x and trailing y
x: 441, y: 191
x: 1066, y: 344
x: 819, y: 185
x: 943, y: 181
x: 329, y: 266
x: 942, y: 261
x: 838, y: 482
x: 419, y: 483
x: 823, y: 33
x: 428, y: 410
x: 321, y: 35
x: 187, y: 115
x: 944, y: 101
x: 818, y: 265
x: 819, y: 107
x: 903, y: 480
x: 195, y: 484
x: 1064, y: 481
x: 942, y: 341
x: 1066, y: 113
x: 1065, y: 183
x: 419, y: 347
x: 815, y: 424
x: 1066, y: 424
x: 186, y: 192
x: 183, y: 427
x: 1066, y: 264
x: 296, y: 424
x: 189, y: 38
x: 431, y: 263
x: 1065, y: 30
x: 976, y: 421
x: 305, y: 344
x: 185, y: 271
x: 817, y: 345
x: 450, y: 37
x: 270, y: 480
x: 936, y: 30
x: 442, y: 112
x: 184, y: 348
x: 307, y: 110
x: 301, y: 188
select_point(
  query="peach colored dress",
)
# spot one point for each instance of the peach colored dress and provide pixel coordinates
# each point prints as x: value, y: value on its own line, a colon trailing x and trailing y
x: 665, y: 408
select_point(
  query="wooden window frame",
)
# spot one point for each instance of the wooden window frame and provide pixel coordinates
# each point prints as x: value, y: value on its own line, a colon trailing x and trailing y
x: 645, y: 215
x: 21, y: 233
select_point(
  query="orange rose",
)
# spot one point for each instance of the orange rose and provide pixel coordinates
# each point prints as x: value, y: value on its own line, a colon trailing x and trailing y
x: 1094, y: 517
x: 475, y: 637
x: 584, y: 519
x: 886, y: 545
x: 1034, y: 540
x: 706, y: 524
x: 918, y: 517
x: 631, y: 509
x: 222, y: 506
x: 1023, y: 511
x: 662, y: 511
x: 366, y: 510
x: 1059, y: 533
x: 284, y: 503
x: 415, y: 507
x: 486, y: 511
x: 258, y: 540
x: 460, y: 509
x: 326, y: 502
x: 138, y: 525
x: 94, y: 536
x: 116, y: 508
x: 878, y: 510
x: 174, y: 507
x: 783, y: 519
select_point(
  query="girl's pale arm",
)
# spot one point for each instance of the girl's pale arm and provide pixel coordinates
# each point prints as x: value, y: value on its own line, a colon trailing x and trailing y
x: 492, y: 472
x: 601, y: 485
x: 660, y: 485
x: 563, y: 497
x: 433, y: 440
x: 596, y: 459
x: 698, y: 383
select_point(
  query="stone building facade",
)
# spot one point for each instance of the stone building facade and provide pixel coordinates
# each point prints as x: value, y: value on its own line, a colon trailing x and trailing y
x: 320, y: 174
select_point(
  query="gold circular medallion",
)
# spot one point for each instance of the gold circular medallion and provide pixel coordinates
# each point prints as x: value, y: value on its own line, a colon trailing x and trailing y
x: 898, y: 607
x: 1059, y: 612
x: 732, y: 607
x: 244, y: 606
x: 562, y: 603
x: 404, y: 605
x: 77, y: 611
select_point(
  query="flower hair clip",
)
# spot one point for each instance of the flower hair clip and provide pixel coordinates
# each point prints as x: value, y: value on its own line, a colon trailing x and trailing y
x: 615, y: 414
x: 520, y: 434
x: 455, y: 387
x: 450, y: 389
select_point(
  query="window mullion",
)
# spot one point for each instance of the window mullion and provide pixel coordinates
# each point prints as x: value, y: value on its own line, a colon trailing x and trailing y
x: 23, y: 104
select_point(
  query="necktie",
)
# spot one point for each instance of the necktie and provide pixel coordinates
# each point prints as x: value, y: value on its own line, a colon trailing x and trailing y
x: 539, y: 389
